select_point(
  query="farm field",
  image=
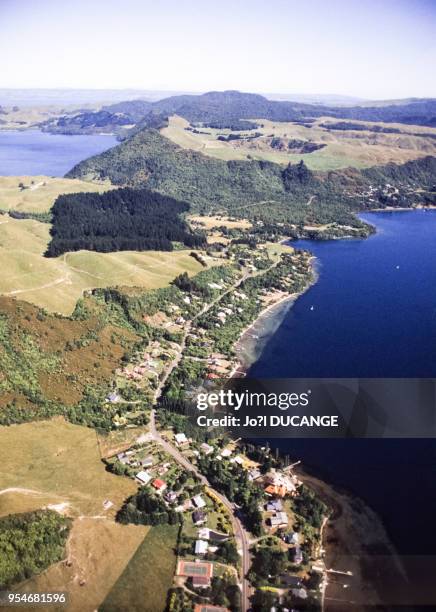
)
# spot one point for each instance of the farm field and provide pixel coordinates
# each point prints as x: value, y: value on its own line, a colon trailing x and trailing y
x: 358, y: 149
x: 61, y: 463
x: 57, y: 463
x: 144, y: 584
x: 57, y: 283
x: 92, y: 568
x: 209, y: 222
x: 40, y: 192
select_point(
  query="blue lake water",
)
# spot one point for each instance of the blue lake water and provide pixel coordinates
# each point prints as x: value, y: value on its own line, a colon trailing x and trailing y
x: 374, y: 315
x: 33, y: 152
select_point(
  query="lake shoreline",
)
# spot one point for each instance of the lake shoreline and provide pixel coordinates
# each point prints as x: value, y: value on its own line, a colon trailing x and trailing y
x: 272, y: 314
x: 363, y: 510
x: 350, y: 536
x: 56, y: 155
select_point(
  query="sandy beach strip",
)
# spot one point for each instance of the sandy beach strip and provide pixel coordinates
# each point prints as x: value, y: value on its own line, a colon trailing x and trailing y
x: 290, y: 298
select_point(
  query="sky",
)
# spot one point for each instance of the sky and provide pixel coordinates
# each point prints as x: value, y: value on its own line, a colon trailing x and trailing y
x: 374, y: 49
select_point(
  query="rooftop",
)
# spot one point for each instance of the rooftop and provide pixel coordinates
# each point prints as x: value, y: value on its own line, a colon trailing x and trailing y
x: 209, y: 608
x: 180, y: 438
x: 198, y: 501
x: 201, y: 547
x: 280, y: 518
x: 158, y: 484
x: 198, y: 516
x: 144, y: 477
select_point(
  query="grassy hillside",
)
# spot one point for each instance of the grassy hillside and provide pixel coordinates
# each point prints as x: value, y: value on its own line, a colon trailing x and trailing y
x: 58, y: 464
x: 225, y: 108
x: 57, y: 283
x: 232, y: 109
x: 34, y: 455
x: 48, y: 363
x: 228, y: 106
x: 361, y: 144
x: 150, y: 159
x: 37, y: 194
x: 145, y: 582
x: 256, y: 190
x: 52, y: 365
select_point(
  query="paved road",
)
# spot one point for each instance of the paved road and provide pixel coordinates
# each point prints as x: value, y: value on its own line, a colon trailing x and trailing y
x: 240, y: 533
x: 175, y: 362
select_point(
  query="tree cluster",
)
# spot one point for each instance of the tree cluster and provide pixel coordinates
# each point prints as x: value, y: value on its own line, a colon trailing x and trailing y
x: 146, y: 508
x: 30, y: 543
x: 119, y: 220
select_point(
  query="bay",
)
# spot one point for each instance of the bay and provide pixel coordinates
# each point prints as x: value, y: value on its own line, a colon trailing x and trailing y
x: 32, y: 152
x: 372, y: 313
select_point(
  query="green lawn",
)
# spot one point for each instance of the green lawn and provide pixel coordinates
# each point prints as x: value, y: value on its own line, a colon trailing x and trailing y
x: 144, y: 584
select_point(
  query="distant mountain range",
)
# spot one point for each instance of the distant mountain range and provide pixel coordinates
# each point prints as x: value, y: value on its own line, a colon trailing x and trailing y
x: 327, y: 99
x: 233, y: 109
x: 77, y: 97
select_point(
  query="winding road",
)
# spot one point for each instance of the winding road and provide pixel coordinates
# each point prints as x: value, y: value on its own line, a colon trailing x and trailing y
x: 241, y: 534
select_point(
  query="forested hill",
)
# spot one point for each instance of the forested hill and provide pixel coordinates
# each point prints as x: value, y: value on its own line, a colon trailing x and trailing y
x: 256, y: 189
x: 119, y: 220
x: 228, y: 106
x: 149, y: 159
x: 111, y: 118
x: 232, y: 109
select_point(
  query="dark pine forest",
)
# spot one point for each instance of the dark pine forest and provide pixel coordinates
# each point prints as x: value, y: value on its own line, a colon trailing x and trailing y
x: 119, y: 220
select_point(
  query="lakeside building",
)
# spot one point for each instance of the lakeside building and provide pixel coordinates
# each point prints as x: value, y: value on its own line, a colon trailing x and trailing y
x: 204, y: 533
x: 290, y: 581
x: 280, y: 519
x: 279, y: 484
x: 300, y: 593
x: 124, y: 459
x: 181, y: 439
x: 206, y: 448
x: 170, y: 497
x: 298, y: 556
x: 278, y: 490
x: 275, y: 505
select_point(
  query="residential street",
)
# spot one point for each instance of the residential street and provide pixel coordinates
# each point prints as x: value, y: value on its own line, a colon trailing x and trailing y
x: 241, y: 534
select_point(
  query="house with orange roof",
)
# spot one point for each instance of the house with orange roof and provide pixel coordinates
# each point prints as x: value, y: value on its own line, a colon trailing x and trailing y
x: 159, y: 485
x: 276, y: 490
